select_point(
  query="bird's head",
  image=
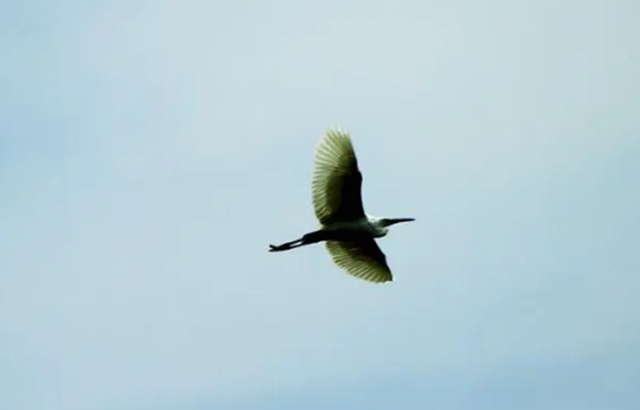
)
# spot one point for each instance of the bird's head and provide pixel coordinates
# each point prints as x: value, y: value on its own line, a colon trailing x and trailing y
x: 383, y: 224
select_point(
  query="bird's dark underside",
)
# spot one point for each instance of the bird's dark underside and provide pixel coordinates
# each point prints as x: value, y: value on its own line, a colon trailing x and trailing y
x: 319, y: 236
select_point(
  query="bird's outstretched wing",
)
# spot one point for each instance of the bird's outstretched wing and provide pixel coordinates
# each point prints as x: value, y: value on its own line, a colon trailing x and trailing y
x: 337, y: 181
x: 362, y: 259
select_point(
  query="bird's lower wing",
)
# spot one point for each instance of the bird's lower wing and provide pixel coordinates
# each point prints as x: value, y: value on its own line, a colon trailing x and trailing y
x: 362, y: 259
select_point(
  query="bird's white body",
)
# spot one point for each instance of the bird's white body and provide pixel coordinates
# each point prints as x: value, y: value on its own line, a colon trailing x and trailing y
x: 346, y: 229
x: 370, y: 225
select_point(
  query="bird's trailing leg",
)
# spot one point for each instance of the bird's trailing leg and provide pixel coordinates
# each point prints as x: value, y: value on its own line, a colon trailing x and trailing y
x: 287, y: 245
x: 306, y: 239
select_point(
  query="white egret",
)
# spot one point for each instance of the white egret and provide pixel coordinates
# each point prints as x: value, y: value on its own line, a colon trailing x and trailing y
x: 349, y: 233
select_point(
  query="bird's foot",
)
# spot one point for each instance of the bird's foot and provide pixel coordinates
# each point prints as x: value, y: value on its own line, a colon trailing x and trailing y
x: 283, y: 247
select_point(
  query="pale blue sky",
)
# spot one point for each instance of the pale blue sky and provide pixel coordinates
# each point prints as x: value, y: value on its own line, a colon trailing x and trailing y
x: 151, y: 150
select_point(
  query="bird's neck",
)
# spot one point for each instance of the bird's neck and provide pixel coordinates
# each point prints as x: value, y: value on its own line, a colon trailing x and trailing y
x: 377, y: 228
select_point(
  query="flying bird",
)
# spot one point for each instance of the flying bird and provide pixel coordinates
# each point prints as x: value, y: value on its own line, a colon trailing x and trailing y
x: 348, y: 232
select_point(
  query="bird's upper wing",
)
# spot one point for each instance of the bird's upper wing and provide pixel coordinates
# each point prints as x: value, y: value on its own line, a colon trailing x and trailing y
x: 362, y: 259
x: 337, y: 181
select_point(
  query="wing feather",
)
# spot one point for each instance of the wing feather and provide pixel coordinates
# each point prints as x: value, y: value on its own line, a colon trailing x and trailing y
x: 337, y: 181
x: 362, y: 259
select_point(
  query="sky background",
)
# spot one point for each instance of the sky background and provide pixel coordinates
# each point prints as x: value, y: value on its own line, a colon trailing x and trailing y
x: 151, y: 150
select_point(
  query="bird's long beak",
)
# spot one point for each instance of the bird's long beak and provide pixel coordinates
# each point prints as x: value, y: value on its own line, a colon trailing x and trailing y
x: 392, y: 221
